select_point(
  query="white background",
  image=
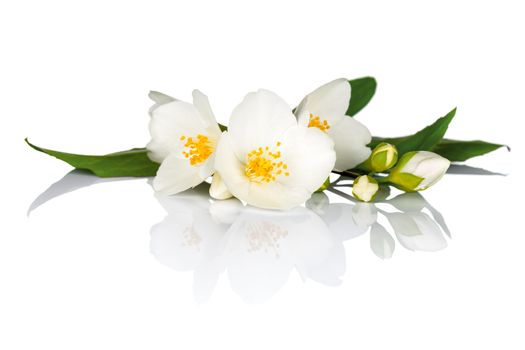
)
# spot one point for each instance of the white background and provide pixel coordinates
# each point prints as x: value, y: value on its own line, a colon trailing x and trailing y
x: 74, y: 76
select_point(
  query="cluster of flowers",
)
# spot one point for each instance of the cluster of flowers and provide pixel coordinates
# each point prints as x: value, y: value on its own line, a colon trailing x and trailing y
x: 274, y: 157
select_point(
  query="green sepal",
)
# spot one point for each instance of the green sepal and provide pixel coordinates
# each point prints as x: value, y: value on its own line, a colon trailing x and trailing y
x: 405, y: 181
x: 324, y: 186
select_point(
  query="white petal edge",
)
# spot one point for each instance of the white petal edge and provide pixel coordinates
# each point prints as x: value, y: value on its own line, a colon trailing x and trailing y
x: 175, y: 175
x: 351, y: 139
x: 202, y: 103
x: 258, y: 121
x: 329, y: 101
x: 168, y: 123
x: 159, y: 98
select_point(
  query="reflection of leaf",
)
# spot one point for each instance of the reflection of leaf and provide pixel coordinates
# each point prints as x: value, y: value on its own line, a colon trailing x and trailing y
x: 462, y: 169
x: 439, y: 218
x: 72, y: 181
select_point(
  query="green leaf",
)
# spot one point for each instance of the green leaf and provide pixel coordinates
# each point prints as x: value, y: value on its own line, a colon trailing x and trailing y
x: 453, y: 150
x: 376, y: 140
x: 133, y: 162
x: 363, y: 89
x: 423, y: 140
x: 427, y: 138
x: 460, y: 151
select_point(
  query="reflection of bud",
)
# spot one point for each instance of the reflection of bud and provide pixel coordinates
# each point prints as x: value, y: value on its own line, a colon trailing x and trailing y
x: 417, y: 171
x: 383, y: 157
x: 381, y: 242
x: 365, y: 188
x: 364, y: 214
x: 417, y: 231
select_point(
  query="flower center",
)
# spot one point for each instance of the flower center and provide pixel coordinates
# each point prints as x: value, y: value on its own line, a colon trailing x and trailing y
x: 197, y: 149
x: 264, y: 165
x: 316, y: 122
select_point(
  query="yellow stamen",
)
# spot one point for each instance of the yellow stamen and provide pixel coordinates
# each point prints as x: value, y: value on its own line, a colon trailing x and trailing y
x: 316, y: 122
x: 197, y: 149
x: 262, y: 165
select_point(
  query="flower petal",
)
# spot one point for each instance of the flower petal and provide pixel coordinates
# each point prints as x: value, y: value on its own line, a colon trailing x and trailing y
x: 176, y: 175
x: 259, y: 120
x: 309, y: 156
x: 201, y: 102
x: 218, y: 189
x: 159, y: 98
x: 230, y: 168
x: 351, y: 139
x: 328, y: 101
x: 168, y: 123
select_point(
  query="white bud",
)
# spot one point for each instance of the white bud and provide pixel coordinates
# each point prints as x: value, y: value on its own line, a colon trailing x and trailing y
x: 218, y: 189
x: 383, y: 157
x: 417, y: 171
x: 365, y: 188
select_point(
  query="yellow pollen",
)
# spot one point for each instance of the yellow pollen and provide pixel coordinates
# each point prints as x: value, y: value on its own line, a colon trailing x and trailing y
x: 197, y: 149
x: 316, y: 122
x: 262, y: 165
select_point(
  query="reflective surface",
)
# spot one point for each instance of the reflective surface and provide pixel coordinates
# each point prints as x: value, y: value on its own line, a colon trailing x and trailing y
x: 258, y: 249
x: 108, y: 256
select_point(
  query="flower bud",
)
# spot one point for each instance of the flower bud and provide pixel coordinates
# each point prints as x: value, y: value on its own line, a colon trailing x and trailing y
x: 365, y: 188
x: 218, y: 189
x: 383, y: 157
x: 417, y: 171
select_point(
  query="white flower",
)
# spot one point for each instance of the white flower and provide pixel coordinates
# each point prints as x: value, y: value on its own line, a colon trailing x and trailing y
x: 183, y: 139
x: 417, y: 171
x: 266, y: 159
x: 325, y: 108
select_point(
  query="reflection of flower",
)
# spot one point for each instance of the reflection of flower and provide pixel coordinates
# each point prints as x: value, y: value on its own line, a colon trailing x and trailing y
x: 258, y: 249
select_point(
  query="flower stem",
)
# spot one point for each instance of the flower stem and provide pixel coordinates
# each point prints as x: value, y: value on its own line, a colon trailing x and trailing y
x: 347, y: 173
